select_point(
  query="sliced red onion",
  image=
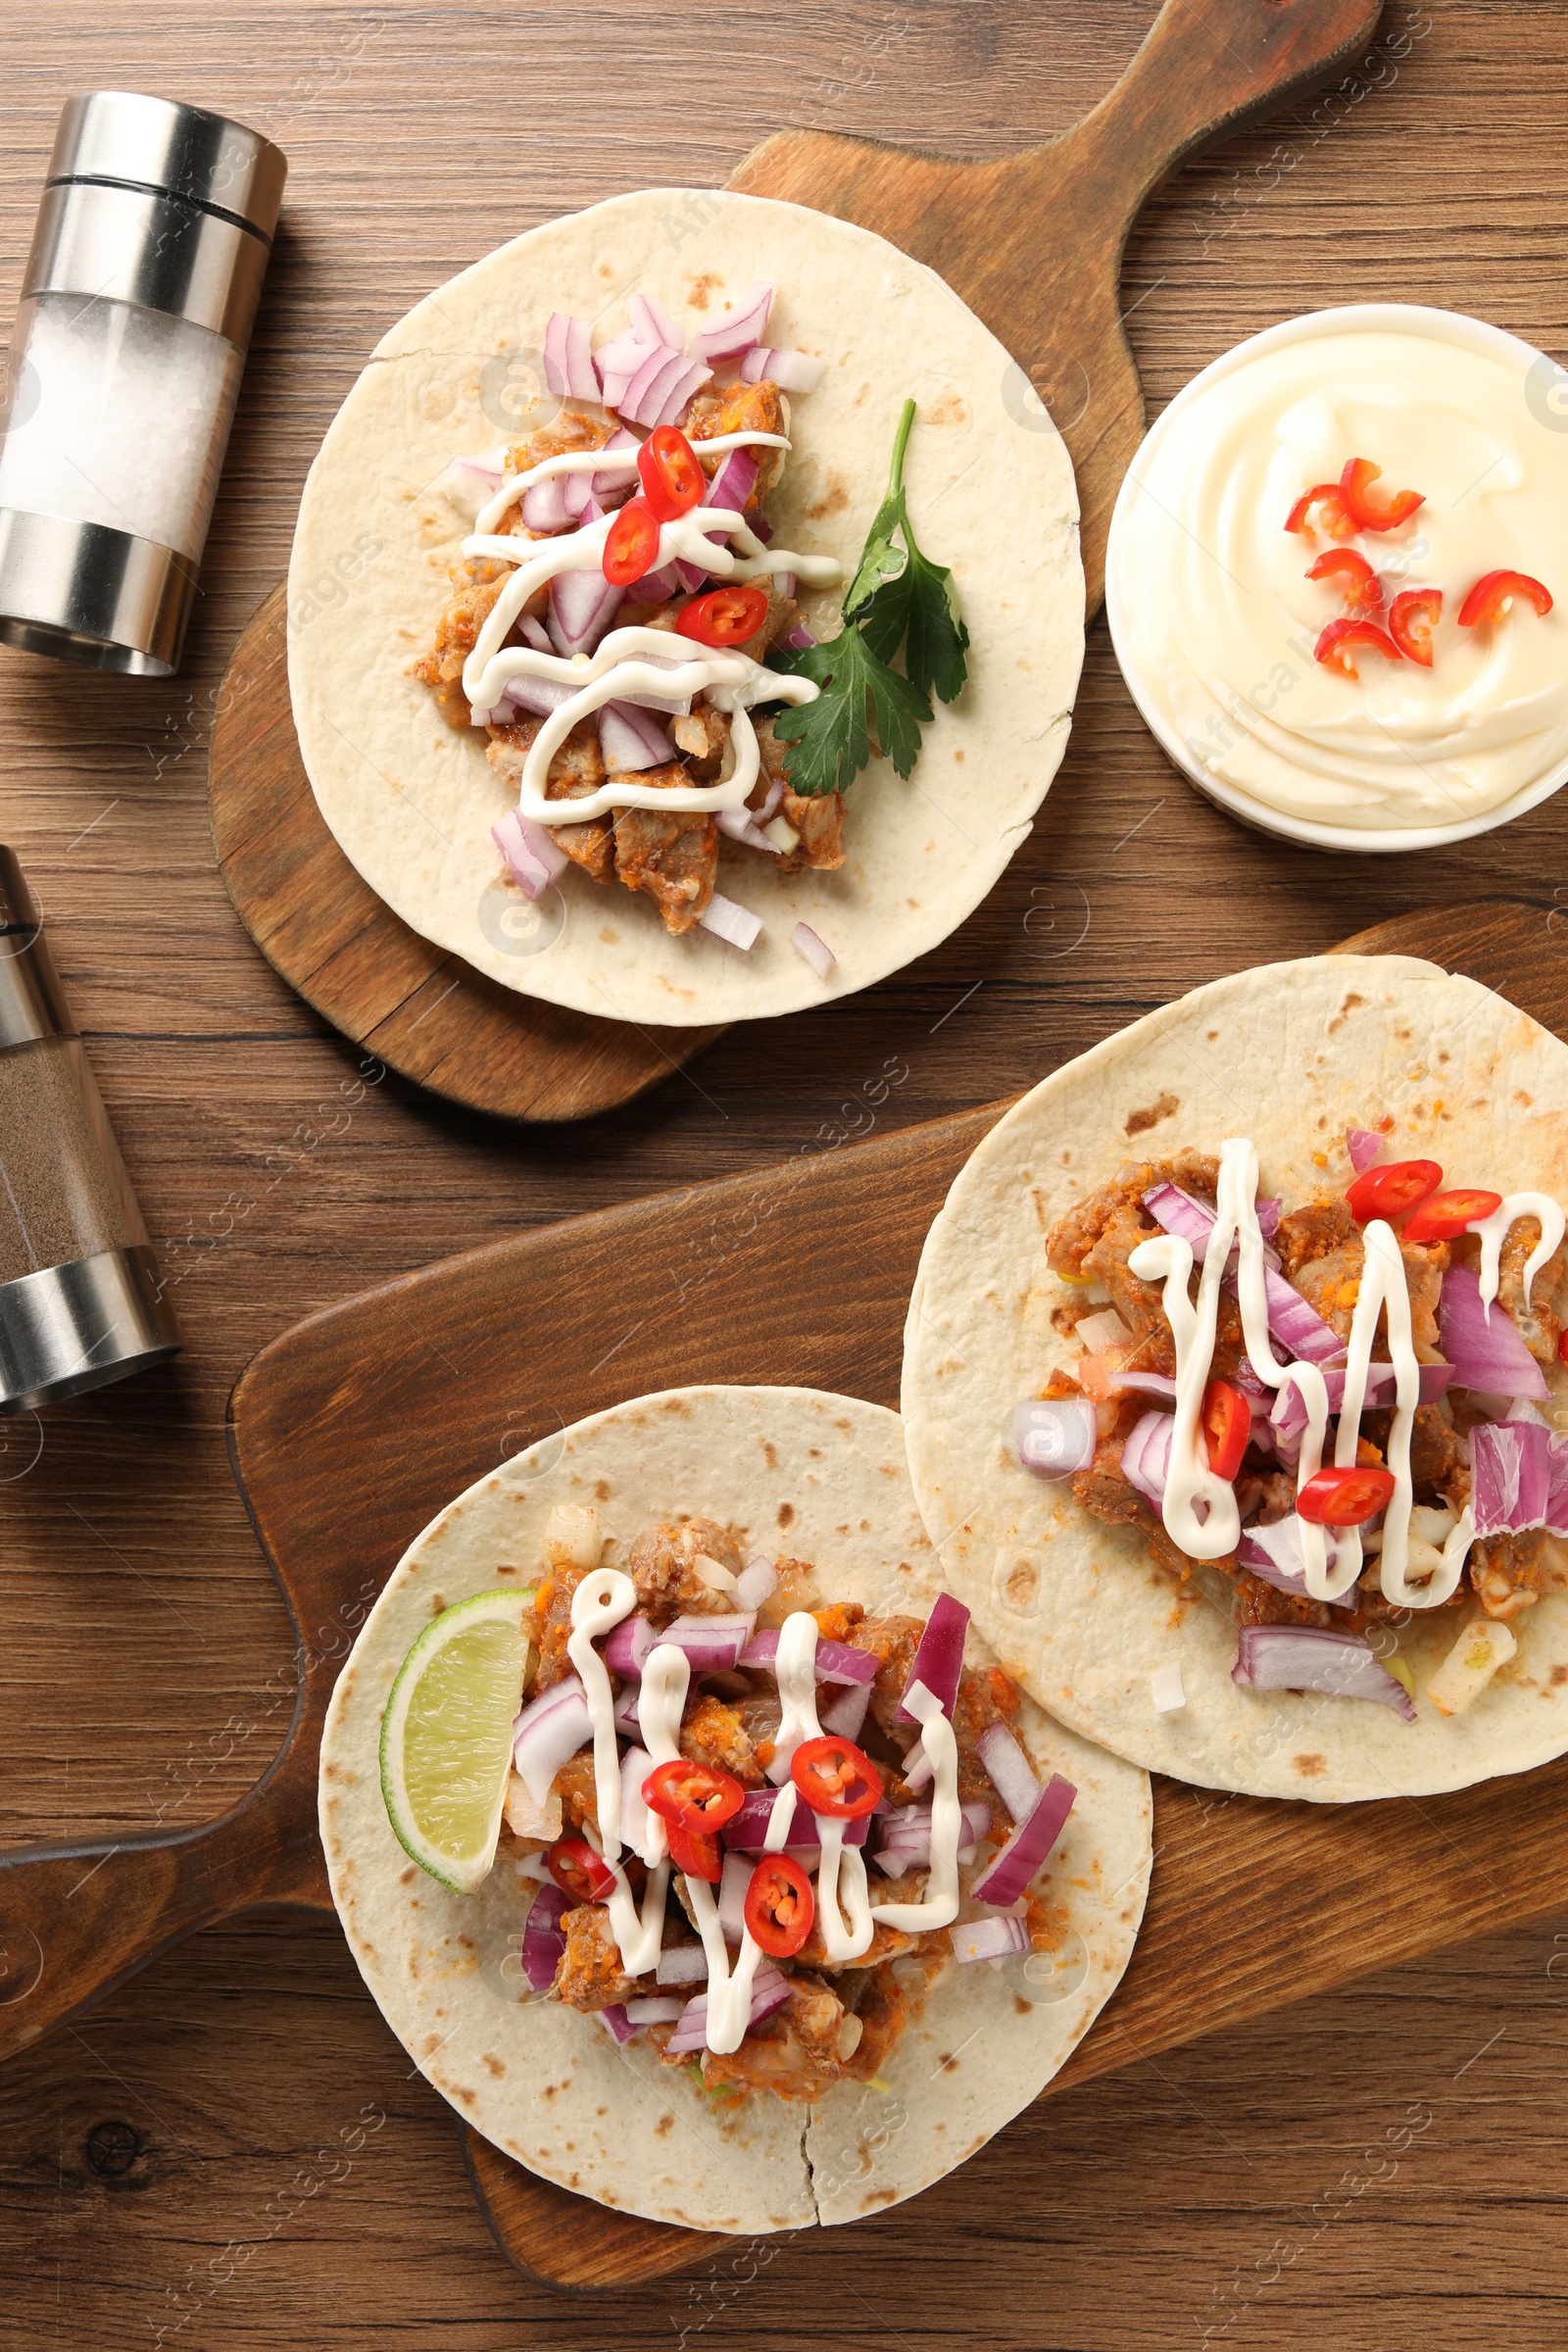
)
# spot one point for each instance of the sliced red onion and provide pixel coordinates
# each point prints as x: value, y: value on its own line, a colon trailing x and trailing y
x: 679, y: 394
x: 651, y: 321
x: 769, y: 1991
x: 541, y: 696
x: 1276, y: 1554
x: 1290, y: 1406
x: 844, y: 1715
x: 771, y: 802
x: 630, y: 739
x: 1485, y: 1349
x: 1010, y: 1772
x: 1056, y: 1435
x: 736, y: 825
x: 905, y: 1840
x: 618, y: 361
x: 548, y: 1733
x: 736, y: 924
x: 761, y: 528
x: 692, y: 575
x: 739, y: 329
x: 1148, y: 1384
x: 807, y: 943
x: 1296, y: 1324
x: 616, y: 2024
x: 1307, y: 1658
x: 836, y: 1661
x: 660, y: 364
x: 681, y: 1964
x: 712, y: 1644
x: 628, y: 1644
x: 1557, y: 1489
x: 988, y: 1939
x: 939, y: 1657
x: 626, y: 1719
x: 1146, y: 1455
x: 656, y: 586
x: 582, y: 606
x: 747, y: 1829
x: 533, y: 632
x: 620, y: 483
x: 533, y: 858
x: 470, y: 482
x: 755, y: 1582
x: 653, y: 2009
x: 1363, y: 1146
x: 568, y: 363
x: 735, y: 480
x: 1511, y: 1463
x: 784, y: 582
x: 797, y: 638
x: 920, y: 1771
x: 790, y: 370
x: 543, y: 1941
x: 1031, y: 1842
x: 544, y: 505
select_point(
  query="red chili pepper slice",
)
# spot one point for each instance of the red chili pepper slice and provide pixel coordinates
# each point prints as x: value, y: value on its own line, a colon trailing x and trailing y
x: 697, y: 1797
x: 1412, y: 617
x: 579, y: 1872
x: 1495, y: 591
x: 1359, y: 585
x: 1322, y: 510
x: 631, y: 546
x: 1227, y: 1426
x: 837, y: 1778
x: 724, y: 616
x: 673, y: 480
x: 1346, y: 1498
x: 780, y: 1905
x: 1446, y: 1215
x: 1370, y: 513
x: 1343, y: 638
x: 697, y: 1852
x: 1389, y: 1192
x: 1563, y: 1347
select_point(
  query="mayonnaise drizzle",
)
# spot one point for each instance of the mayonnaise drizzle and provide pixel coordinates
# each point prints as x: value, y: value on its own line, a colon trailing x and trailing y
x: 602, y: 1598
x: 794, y: 1666
x: 1188, y: 1479
x: 941, y: 1904
x: 598, y: 460
x: 1492, y: 1232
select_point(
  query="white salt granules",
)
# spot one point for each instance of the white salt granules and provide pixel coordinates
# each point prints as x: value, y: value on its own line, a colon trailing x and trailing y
x: 120, y: 416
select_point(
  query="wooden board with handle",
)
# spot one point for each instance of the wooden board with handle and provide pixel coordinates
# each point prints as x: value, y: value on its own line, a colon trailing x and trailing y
x: 1033, y: 244
x: 355, y: 1428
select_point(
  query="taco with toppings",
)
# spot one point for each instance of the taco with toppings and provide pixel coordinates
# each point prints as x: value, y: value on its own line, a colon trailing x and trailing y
x: 1234, y: 1386
x: 685, y: 634
x: 692, y: 1841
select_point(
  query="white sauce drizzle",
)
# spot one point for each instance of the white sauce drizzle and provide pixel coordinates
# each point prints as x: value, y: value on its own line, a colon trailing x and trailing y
x: 597, y: 461
x: 795, y: 1665
x: 602, y: 1598
x: 1492, y: 1231
x: 1188, y: 1479
x: 941, y: 1904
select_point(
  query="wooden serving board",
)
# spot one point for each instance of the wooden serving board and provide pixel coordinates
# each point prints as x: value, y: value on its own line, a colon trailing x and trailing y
x: 1033, y: 242
x: 350, y: 1432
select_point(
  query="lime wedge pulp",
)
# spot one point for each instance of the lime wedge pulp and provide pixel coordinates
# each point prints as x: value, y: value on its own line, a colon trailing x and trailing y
x: 446, y: 1736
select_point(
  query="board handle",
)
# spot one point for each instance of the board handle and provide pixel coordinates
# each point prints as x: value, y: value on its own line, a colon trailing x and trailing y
x: 76, y: 1921
x: 1206, y: 68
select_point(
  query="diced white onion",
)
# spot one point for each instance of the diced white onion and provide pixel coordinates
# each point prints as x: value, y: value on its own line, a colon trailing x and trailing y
x: 1165, y: 1688
x: 816, y: 952
x: 737, y: 924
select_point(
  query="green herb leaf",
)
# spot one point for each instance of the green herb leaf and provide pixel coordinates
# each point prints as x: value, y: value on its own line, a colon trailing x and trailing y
x: 830, y: 738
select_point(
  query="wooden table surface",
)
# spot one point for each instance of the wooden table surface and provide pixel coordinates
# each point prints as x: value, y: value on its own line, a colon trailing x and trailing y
x: 147, y: 1667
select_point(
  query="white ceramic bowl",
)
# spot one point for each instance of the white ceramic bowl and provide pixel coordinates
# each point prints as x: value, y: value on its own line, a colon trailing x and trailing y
x: 1474, y: 334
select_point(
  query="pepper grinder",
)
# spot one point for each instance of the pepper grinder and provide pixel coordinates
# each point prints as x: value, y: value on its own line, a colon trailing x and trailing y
x: 80, y: 1296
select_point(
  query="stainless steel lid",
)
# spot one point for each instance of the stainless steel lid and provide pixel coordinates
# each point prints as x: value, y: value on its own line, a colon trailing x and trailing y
x: 118, y: 136
x: 77, y: 1327
x: 33, y: 1001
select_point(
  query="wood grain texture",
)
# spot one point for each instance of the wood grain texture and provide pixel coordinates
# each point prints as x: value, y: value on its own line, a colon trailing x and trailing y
x: 425, y: 1014
x: 1207, y: 66
x: 148, y: 1658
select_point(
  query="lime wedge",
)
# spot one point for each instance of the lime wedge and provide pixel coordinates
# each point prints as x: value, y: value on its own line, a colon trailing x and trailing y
x: 446, y: 1736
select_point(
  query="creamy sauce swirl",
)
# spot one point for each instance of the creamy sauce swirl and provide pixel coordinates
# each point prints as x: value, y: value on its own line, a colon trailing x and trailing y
x: 623, y: 462
x: 940, y: 1908
x: 1492, y: 1232
x: 602, y: 1598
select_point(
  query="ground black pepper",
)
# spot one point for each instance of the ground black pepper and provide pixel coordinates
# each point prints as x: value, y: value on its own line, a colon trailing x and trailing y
x: 64, y: 1194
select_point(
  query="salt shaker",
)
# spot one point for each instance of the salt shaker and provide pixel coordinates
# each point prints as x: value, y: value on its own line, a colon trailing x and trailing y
x: 140, y: 292
x: 81, y: 1302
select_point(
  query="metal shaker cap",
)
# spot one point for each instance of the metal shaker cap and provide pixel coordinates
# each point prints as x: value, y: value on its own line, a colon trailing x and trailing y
x: 120, y: 137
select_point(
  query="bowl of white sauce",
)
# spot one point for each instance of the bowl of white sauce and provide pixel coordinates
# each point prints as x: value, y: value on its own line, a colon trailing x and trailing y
x: 1216, y: 625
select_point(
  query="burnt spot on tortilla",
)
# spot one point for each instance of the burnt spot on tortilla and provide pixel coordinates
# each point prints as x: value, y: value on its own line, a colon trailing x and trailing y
x: 1347, y: 1006
x: 786, y: 1514
x: 602, y: 1489
x: 1558, y: 1677
x: 1310, y: 1768
x: 506, y: 1568
x: 835, y: 500
x: 947, y: 2063
x: 1139, y: 1122
x: 437, y: 1604
x: 770, y: 1453
x: 1213, y: 1037
x: 494, y: 2065
x: 1021, y: 2004
x: 664, y: 2125
x: 1023, y: 1584
x: 957, y: 759
x: 703, y: 288
x: 406, y: 1876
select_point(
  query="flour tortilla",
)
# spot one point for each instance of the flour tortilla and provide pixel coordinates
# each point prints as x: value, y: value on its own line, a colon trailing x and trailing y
x: 412, y: 801
x: 823, y: 1478
x: 1292, y: 1056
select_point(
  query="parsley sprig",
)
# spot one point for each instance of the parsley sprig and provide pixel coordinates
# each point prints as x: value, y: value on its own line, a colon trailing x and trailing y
x: 896, y: 597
